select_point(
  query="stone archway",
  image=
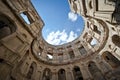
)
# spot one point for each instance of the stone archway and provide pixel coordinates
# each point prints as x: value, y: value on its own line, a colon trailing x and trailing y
x: 95, y: 71
x: 77, y: 73
x: 61, y: 74
x: 112, y: 60
x: 6, y: 26
x: 32, y: 70
x: 47, y: 74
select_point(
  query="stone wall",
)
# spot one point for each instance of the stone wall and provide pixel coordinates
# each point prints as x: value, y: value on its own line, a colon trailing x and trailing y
x: 24, y: 53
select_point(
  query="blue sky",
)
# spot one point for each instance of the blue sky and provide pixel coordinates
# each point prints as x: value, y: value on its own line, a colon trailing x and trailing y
x: 61, y: 25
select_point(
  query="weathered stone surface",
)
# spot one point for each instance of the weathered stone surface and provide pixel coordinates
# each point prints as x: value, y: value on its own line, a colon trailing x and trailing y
x: 24, y: 53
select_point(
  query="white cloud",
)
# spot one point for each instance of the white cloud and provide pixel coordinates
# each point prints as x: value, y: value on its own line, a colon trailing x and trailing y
x: 57, y: 38
x: 72, y: 36
x: 52, y: 38
x: 72, y: 16
x: 63, y: 36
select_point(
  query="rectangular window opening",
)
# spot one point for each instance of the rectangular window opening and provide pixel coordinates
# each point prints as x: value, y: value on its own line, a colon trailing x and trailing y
x: 93, y: 42
x: 49, y: 56
x: 27, y: 18
x: 71, y: 54
x: 82, y: 50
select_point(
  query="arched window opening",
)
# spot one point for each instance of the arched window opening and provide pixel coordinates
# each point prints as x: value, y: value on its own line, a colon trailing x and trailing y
x: 6, y: 26
x: 32, y: 70
x: 4, y: 30
x: 95, y: 72
x: 112, y: 60
x: 90, y: 5
x: 47, y: 75
x: 61, y: 74
x: 77, y: 73
x: 116, y: 40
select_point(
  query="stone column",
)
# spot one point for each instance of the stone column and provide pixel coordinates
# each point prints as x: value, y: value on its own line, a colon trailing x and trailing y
x: 37, y: 75
x: 69, y: 75
x: 43, y: 55
x: 85, y: 72
x: 41, y: 76
x: 54, y: 76
x: 54, y: 58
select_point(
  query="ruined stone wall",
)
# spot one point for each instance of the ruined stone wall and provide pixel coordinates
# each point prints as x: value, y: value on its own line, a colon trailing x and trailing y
x: 24, y: 53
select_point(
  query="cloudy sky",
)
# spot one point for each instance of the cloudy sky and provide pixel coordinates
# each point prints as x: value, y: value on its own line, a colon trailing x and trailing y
x: 61, y: 25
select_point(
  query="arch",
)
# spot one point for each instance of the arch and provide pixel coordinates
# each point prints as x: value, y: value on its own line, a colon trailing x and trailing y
x: 95, y: 72
x: 32, y: 70
x: 90, y: 4
x: 116, y: 40
x: 6, y: 26
x: 47, y: 74
x: 61, y: 74
x: 112, y: 60
x: 77, y: 73
x: 5, y: 69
